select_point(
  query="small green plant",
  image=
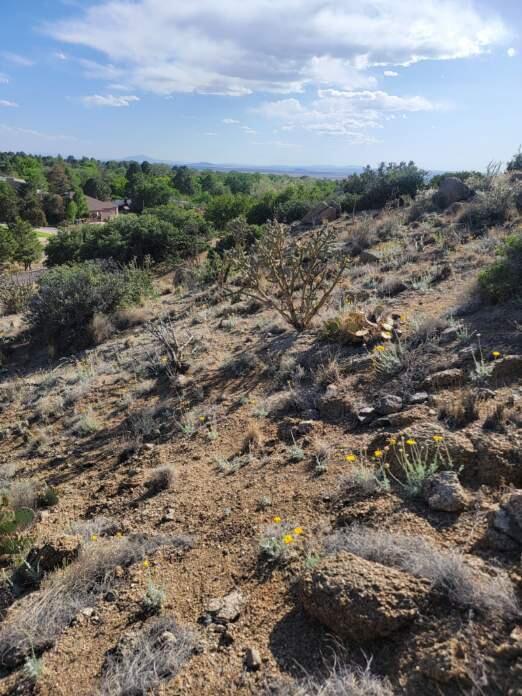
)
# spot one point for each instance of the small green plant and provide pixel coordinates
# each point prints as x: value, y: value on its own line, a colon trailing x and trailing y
x: 228, y: 467
x: 12, y: 524
x: 483, y: 368
x: 420, y: 461
x: 278, y: 541
x: 388, y: 359
x: 33, y: 667
x: 502, y: 281
x: 321, y: 458
x: 154, y: 599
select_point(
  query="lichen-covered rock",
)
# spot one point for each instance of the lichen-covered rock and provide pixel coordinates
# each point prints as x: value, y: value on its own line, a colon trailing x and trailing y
x: 443, y: 491
x: 389, y: 403
x: 451, y: 190
x: 498, y: 458
x: 361, y: 600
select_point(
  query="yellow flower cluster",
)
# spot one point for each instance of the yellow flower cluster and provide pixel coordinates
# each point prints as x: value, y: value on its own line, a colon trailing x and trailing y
x: 289, y: 538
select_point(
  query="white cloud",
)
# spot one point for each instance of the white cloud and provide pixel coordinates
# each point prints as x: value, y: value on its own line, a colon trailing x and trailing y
x: 3, y: 79
x: 343, y: 112
x: 390, y: 73
x: 108, y: 100
x: 230, y: 121
x: 60, y: 56
x: 236, y: 49
x: 17, y: 59
x: 210, y: 133
x: 8, y: 104
x: 512, y: 52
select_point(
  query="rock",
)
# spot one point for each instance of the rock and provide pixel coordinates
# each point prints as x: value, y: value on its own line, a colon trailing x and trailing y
x: 169, y: 515
x: 451, y: 190
x: 226, y: 609
x: 369, y: 257
x: 306, y: 426
x: 333, y: 405
x: 508, y: 368
x: 54, y: 554
x: 389, y: 403
x: 498, y: 458
x: 508, y: 518
x: 443, y: 491
x: 419, y: 397
x: 445, y: 662
x: 361, y: 600
x: 449, y: 335
x: 365, y: 414
x: 252, y: 659
x: 446, y: 378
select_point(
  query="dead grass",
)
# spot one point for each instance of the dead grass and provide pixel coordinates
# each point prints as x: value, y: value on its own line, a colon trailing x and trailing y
x: 342, y: 680
x: 253, y: 438
x: 45, y: 614
x: 161, y: 479
x: 448, y: 571
x: 461, y: 410
x: 146, y: 658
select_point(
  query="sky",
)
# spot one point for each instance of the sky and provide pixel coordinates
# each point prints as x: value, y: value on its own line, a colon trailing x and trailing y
x: 264, y: 82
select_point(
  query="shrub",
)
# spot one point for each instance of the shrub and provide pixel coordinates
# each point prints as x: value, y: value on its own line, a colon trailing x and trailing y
x: 374, y: 188
x: 15, y: 294
x: 139, y: 665
x: 488, y: 208
x: 341, y: 680
x: 503, y: 279
x: 292, y: 276
x: 68, y: 298
x: 446, y: 570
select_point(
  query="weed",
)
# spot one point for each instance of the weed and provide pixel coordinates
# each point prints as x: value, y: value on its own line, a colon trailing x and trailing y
x: 160, y: 479
x: 420, y: 461
x: 278, y: 540
x: 460, y: 411
x: 154, y: 599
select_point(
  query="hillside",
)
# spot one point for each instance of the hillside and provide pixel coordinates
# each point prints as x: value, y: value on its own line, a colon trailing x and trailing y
x: 287, y: 503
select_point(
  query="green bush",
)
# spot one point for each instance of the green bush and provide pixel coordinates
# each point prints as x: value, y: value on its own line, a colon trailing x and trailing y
x: 68, y: 297
x: 503, y: 280
x: 374, y: 188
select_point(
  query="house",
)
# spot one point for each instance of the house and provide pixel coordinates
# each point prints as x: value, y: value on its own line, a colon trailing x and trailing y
x: 17, y: 184
x: 100, y: 211
x: 321, y: 213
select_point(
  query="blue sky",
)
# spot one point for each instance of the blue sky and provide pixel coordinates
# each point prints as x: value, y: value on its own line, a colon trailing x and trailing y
x: 333, y: 82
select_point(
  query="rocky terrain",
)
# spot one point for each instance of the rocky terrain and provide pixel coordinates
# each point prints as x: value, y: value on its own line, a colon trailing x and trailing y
x: 336, y: 510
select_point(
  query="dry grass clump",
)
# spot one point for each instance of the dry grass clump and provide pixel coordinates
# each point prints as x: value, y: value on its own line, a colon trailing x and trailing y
x: 142, y: 660
x: 461, y: 410
x: 342, y: 680
x: 100, y: 328
x: 98, y: 526
x: 446, y: 570
x: 253, y: 438
x: 23, y: 494
x: 161, y: 479
x: 45, y: 614
x: 49, y: 407
x: 131, y: 316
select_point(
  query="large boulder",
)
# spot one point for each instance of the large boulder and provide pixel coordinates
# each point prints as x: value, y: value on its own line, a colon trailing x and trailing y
x: 451, y: 190
x: 361, y: 600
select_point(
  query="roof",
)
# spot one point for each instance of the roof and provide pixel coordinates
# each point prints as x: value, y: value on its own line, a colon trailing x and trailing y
x: 94, y: 205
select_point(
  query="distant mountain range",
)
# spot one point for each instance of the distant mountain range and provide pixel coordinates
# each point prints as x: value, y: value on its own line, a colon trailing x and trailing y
x: 318, y: 171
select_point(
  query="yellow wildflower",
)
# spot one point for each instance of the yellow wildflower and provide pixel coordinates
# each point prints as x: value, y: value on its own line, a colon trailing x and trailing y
x: 496, y: 354
x: 277, y: 519
x: 288, y: 538
x: 146, y: 564
x: 351, y: 457
x: 298, y: 531
x: 392, y: 441
x: 202, y: 418
x: 93, y: 537
x: 411, y: 441
x: 438, y: 438
x: 119, y: 534
x: 379, y: 349
x: 378, y: 453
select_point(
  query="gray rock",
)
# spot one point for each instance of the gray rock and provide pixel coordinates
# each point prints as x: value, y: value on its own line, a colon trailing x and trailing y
x: 451, y: 190
x: 333, y: 405
x: 449, y: 335
x: 226, y: 609
x: 306, y: 426
x: 419, y: 397
x: 507, y: 368
x: 508, y: 518
x: 366, y: 413
x: 252, y: 659
x: 443, y: 491
x: 446, y: 378
x: 389, y: 403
